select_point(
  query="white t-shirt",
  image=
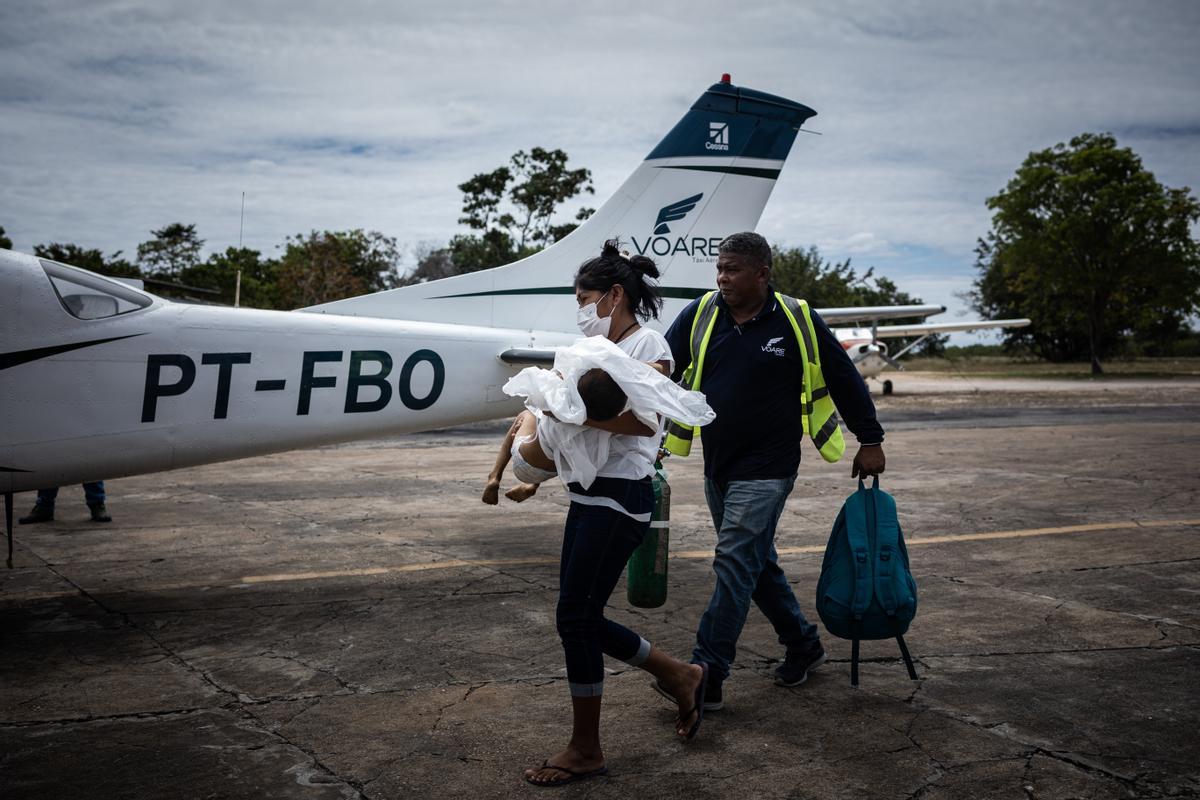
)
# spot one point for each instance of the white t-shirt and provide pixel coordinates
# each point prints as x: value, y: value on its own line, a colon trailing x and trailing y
x: 633, y: 457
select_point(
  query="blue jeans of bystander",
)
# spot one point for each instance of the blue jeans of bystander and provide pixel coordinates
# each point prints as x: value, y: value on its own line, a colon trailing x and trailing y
x: 93, y: 494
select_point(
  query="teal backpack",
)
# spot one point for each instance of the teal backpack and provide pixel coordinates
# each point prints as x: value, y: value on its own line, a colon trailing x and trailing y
x: 866, y: 590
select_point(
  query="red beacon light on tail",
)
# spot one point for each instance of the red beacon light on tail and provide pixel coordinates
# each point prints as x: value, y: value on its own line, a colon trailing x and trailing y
x: 725, y: 78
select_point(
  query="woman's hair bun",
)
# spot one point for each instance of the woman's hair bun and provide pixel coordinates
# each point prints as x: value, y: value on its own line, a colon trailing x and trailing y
x: 613, y: 267
x: 644, y: 265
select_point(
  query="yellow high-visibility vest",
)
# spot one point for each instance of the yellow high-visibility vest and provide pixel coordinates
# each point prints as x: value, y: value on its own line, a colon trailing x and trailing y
x: 820, y: 416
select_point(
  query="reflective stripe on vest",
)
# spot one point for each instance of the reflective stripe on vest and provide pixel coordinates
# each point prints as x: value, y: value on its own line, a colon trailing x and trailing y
x: 820, y: 415
x: 679, y: 437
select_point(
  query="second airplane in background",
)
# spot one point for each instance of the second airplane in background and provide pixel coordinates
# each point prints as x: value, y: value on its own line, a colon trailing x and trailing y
x: 870, y: 355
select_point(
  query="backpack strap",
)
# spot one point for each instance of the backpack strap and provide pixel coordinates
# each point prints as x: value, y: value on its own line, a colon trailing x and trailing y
x: 887, y: 549
x: 856, y: 534
x: 854, y: 625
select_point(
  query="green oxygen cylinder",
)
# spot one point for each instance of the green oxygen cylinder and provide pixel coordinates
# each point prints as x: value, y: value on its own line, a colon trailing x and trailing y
x: 646, y: 585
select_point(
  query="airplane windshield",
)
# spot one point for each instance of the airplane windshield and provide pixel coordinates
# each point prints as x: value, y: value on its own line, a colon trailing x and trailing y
x: 89, y: 296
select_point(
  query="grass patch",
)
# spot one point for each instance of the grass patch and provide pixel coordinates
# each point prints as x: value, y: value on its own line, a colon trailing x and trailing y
x: 996, y: 366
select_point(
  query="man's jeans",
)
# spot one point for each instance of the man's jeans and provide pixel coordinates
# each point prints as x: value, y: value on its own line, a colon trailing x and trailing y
x: 93, y: 493
x: 745, y: 514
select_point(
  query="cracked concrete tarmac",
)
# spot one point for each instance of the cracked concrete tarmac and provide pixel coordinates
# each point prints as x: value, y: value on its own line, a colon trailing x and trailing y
x: 351, y: 622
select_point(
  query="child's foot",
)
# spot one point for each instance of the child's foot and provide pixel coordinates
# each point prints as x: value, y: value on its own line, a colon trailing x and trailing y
x: 491, y: 493
x: 521, y: 492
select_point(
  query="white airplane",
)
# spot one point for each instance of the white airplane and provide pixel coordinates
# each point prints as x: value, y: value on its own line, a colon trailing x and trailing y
x: 101, y: 380
x: 870, y: 355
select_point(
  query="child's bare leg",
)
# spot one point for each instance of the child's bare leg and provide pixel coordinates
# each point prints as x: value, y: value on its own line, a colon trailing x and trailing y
x: 533, y: 453
x: 522, y: 492
x: 491, y: 490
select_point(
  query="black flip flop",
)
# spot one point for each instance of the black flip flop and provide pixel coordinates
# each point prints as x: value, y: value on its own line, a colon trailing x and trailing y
x: 572, y: 776
x: 697, y: 702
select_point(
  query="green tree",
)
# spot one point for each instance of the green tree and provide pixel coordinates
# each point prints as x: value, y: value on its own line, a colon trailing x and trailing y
x: 542, y: 183
x: 219, y: 271
x: 513, y: 207
x: 332, y: 265
x: 173, y: 249
x: 5, y: 242
x: 76, y: 256
x: 805, y: 273
x: 471, y: 253
x: 1093, y: 249
x: 433, y: 264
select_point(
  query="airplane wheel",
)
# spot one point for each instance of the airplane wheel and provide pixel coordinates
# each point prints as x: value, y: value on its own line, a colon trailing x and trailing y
x: 887, y: 387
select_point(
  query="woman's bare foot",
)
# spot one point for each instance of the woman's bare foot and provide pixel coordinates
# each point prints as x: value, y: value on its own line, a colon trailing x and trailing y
x: 521, y: 492
x: 579, y: 763
x: 683, y: 688
x: 491, y: 492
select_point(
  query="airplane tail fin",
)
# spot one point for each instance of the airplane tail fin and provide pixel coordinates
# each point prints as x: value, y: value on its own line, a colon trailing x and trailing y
x: 709, y: 177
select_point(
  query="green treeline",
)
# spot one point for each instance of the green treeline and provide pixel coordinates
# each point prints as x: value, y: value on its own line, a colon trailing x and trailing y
x: 313, y: 268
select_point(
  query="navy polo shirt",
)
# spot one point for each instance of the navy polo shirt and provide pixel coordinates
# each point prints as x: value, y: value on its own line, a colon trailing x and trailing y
x: 752, y: 379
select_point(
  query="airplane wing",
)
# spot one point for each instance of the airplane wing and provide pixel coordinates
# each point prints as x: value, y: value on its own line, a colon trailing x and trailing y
x: 892, y: 331
x: 873, y: 313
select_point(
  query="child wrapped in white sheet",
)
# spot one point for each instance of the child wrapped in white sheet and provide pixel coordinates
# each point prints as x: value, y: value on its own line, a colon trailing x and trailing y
x: 552, y: 395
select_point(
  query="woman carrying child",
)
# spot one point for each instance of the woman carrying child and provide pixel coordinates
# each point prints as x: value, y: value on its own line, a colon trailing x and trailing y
x: 605, y: 524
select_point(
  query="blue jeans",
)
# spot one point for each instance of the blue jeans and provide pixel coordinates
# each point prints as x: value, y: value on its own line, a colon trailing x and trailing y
x: 745, y: 514
x: 597, y: 542
x: 93, y: 493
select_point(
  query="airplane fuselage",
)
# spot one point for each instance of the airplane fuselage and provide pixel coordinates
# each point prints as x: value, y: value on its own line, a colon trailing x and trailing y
x: 172, y: 385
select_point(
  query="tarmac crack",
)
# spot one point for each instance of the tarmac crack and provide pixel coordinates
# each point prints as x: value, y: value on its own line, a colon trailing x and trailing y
x: 1076, y: 760
x: 443, y: 709
x: 1003, y: 653
x: 322, y: 769
x: 328, y: 672
x: 1039, y: 596
x: 131, y: 715
x: 666, y: 619
x: 1027, y: 776
x: 1102, y: 567
x: 937, y: 771
x: 235, y: 703
x: 132, y: 625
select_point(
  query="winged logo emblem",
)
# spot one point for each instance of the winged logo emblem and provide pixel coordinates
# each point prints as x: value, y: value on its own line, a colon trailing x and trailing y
x: 674, y: 212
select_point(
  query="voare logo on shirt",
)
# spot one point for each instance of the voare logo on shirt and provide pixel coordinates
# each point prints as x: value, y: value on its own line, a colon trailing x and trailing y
x: 770, y: 346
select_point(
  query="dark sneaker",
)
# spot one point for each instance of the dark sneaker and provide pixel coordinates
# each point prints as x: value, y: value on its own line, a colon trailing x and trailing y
x: 794, y: 670
x: 714, y: 697
x: 100, y: 513
x: 40, y: 513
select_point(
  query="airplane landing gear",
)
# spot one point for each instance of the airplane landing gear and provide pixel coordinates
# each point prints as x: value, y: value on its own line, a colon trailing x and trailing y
x: 887, y: 387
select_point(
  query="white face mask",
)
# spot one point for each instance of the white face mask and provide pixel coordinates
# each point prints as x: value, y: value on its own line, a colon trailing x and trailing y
x: 590, y: 321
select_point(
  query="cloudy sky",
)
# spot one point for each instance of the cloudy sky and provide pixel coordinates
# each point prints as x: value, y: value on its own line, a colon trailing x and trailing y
x: 120, y: 117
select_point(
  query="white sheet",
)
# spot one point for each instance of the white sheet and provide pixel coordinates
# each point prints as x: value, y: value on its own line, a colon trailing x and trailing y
x: 579, y: 451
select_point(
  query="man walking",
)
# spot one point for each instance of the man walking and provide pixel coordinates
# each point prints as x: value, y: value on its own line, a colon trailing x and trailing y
x: 772, y: 370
